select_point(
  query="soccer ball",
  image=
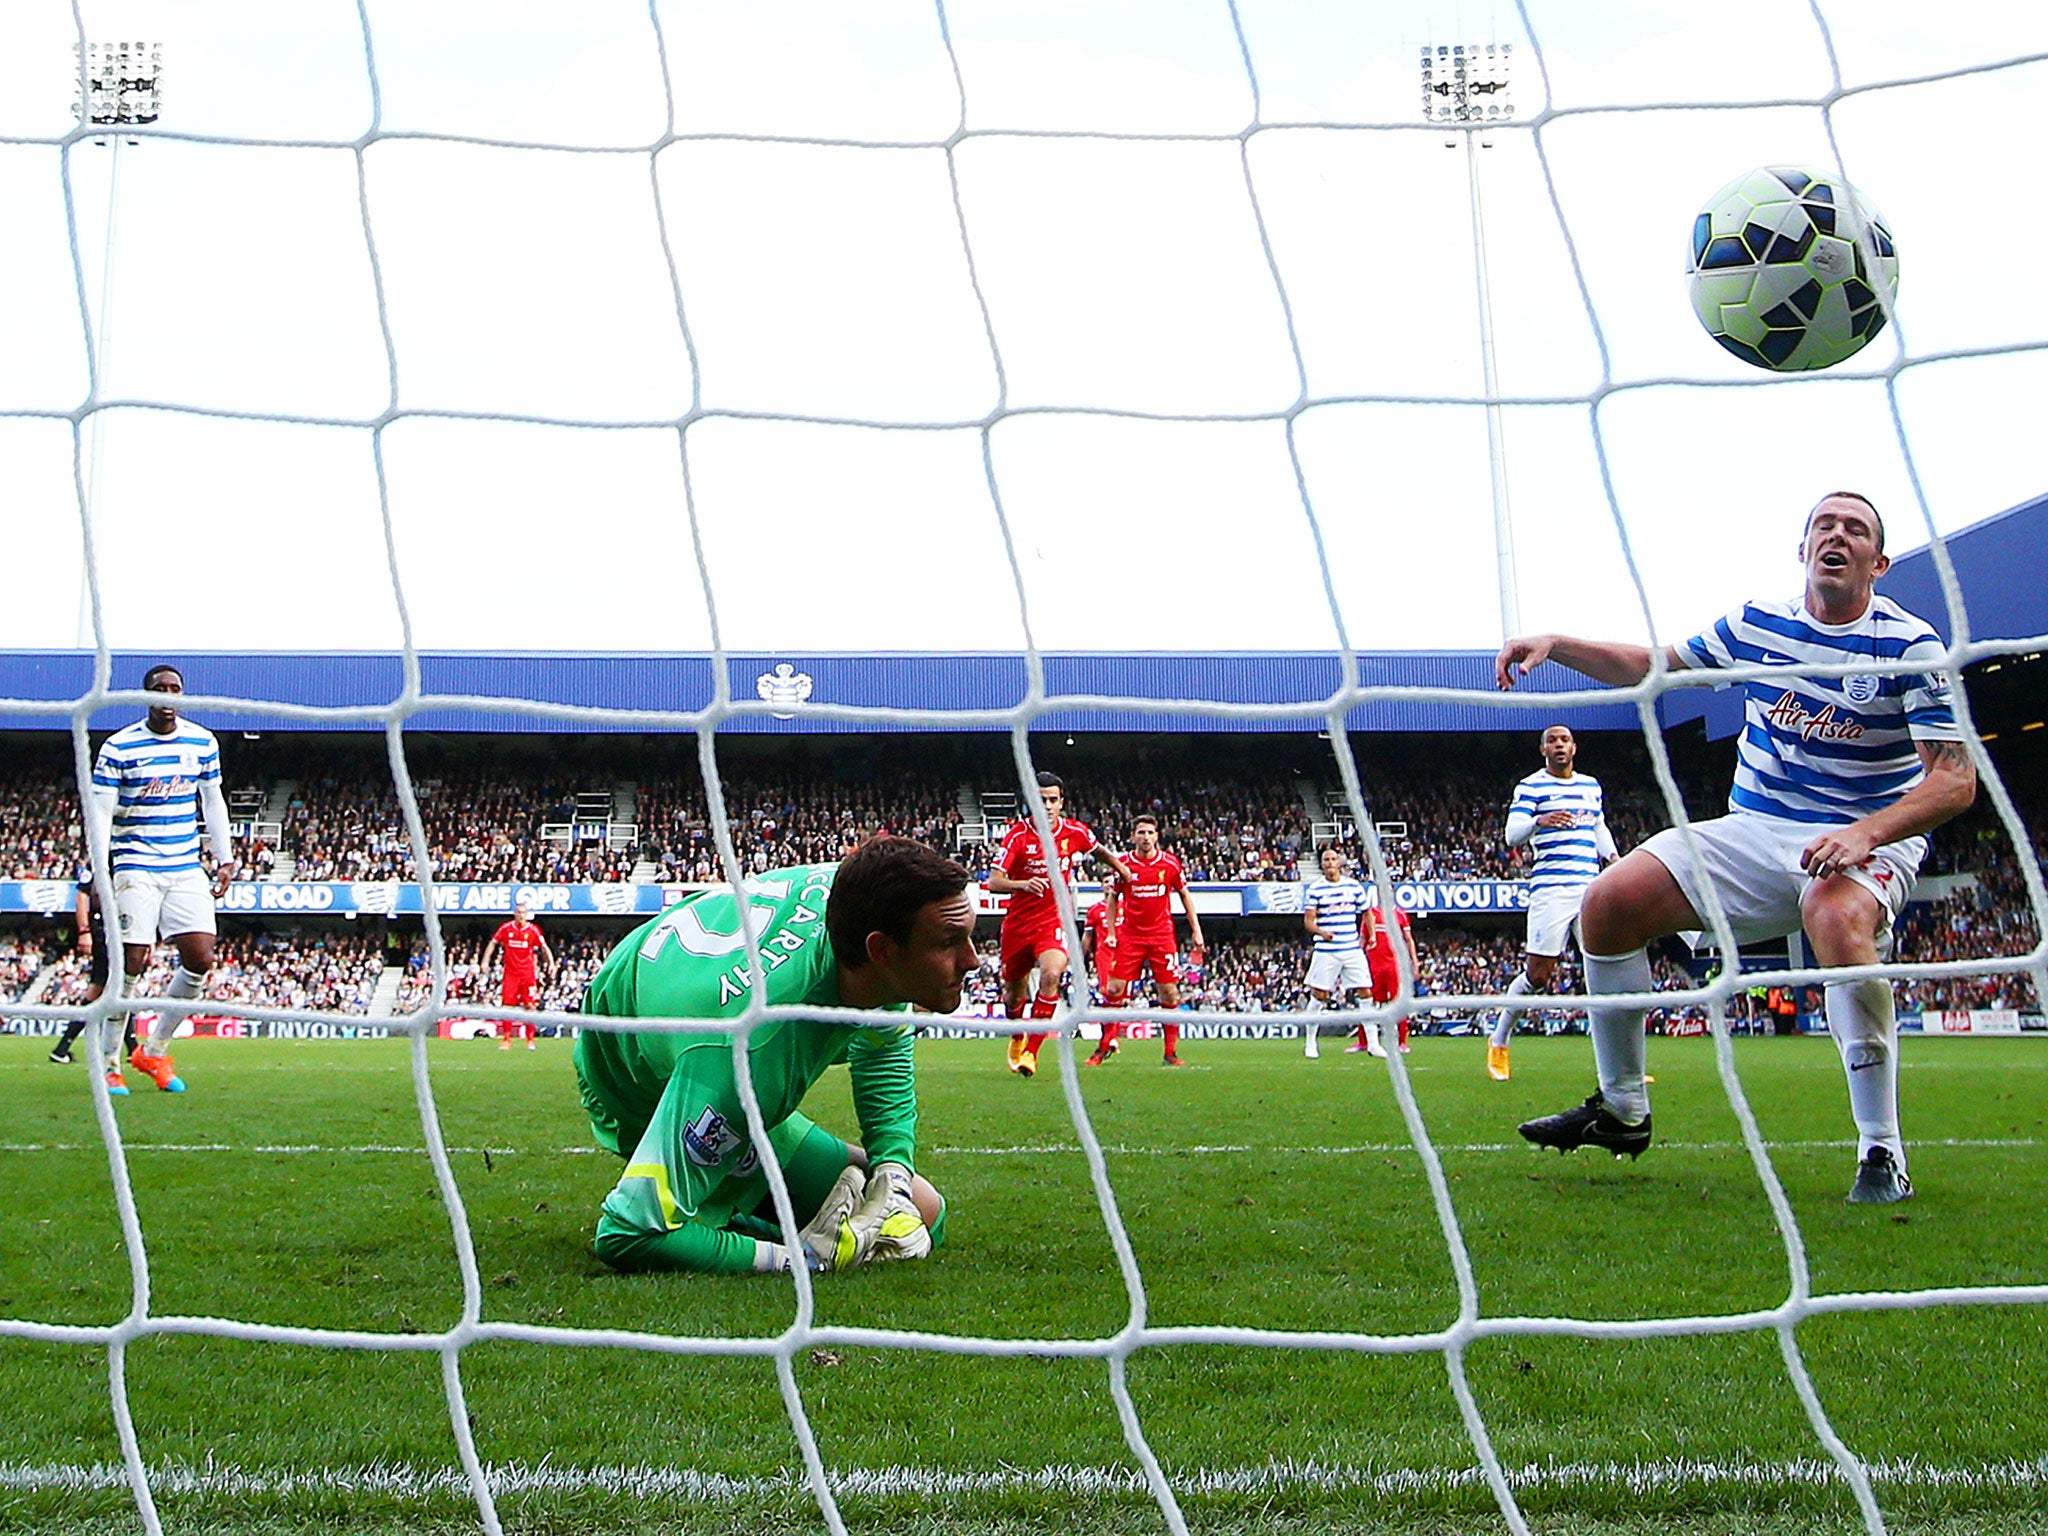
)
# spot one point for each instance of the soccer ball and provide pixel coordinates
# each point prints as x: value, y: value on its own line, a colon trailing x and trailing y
x: 1781, y: 272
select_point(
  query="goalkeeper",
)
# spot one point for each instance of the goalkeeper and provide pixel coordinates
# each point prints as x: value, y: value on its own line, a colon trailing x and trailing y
x: 891, y: 926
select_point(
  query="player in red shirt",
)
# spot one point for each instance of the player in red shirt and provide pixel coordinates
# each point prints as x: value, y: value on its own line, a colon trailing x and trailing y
x: 1098, y: 931
x: 522, y: 941
x: 1032, y: 938
x: 1144, y: 934
x: 1386, y: 974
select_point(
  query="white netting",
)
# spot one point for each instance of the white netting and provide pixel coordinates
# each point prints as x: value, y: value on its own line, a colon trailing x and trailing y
x: 1114, y: 1350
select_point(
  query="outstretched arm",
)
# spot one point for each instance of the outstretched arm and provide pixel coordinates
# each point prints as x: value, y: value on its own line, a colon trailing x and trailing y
x: 1605, y: 661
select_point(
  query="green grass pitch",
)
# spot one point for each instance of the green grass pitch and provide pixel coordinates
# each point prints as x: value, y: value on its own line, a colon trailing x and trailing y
x: 1259, y: 1189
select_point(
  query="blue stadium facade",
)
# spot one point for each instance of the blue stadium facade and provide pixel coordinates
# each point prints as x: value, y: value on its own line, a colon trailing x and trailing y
x: 1998, y: 562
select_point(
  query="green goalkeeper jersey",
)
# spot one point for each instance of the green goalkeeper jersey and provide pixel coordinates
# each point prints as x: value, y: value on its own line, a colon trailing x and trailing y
x: 670, y: 1102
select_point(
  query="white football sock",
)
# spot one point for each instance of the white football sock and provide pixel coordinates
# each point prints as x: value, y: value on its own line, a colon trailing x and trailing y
x: 1504, y: 1021
x: 1860, y: 1019
x: 184, y: 984
x: 1620, y: 1053
x: 113, y: 1033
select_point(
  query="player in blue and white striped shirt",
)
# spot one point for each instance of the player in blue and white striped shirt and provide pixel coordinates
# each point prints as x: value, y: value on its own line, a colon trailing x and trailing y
x: 1337, y: 912
x: 151, y: 784
x: 1560, y: 815
x: 1838, y: 782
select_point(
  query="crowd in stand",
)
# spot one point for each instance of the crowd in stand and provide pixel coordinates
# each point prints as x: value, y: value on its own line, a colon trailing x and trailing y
x: 1227, y: 820
x: 1453, y: 815
x: 479, y: 826
x: 1264, y: 974
x: 1995, y: 918
x: 800, y: 818
x: 39, y: 828
x: 560, y: 991
x: 1221, y: 827
x: 21, y: 961
x: 332, y: 972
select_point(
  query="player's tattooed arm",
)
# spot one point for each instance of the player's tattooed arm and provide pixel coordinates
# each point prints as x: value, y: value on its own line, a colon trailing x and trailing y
x: 1948, y: 789
x: 1950, y: 755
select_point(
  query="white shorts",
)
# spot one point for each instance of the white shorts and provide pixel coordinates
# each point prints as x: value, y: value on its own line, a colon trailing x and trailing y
x: 159, y: 905
x: 1330, y: 969
x: 1552, y: 913
x: 1753, y: 862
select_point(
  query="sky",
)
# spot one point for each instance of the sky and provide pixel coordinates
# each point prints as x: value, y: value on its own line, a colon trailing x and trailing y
x: 594, y: 319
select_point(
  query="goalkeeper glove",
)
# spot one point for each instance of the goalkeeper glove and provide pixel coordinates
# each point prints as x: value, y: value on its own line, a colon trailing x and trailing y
x: 886, y: 1225
x: 828, y: 1238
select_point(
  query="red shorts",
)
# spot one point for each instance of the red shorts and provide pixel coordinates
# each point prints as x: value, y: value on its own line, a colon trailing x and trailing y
x: 1131, y: 955
x: 1022, y: 947
x: 1386, y: 976
x: 517, y: 994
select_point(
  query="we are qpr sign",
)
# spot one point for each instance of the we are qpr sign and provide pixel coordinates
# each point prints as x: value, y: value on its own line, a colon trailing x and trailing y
x: 379, y: 898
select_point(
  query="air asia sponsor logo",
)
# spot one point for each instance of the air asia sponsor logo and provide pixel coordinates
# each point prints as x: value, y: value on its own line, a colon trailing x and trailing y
x: 1579, y: 818
x: 709, y: 1139
x: 173, y: 786
x: 1790, y: 715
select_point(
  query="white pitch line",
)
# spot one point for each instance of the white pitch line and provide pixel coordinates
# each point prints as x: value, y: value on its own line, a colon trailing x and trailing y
x: 1050, y: 1148
x: 406, y: 1483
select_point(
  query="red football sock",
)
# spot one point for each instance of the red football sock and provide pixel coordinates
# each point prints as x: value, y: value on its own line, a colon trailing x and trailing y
x: 1172, y: 1033
x: 1042, y: 1007
x: 1109, y: 1034
x: 1360, y: 1033
x: 1403, y: 1039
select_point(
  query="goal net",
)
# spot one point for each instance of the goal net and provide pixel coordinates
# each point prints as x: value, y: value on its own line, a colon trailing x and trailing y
x: 913, y: 328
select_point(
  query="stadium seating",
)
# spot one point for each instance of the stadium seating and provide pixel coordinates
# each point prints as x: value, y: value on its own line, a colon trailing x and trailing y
x: 1231, y: 816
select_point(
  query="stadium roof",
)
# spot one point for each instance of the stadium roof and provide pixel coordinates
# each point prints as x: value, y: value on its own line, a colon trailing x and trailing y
x: 1998, y: 562
x: 2001, y: 565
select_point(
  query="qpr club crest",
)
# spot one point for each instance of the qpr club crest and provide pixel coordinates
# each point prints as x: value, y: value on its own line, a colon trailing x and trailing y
x: 1280, y: 896
x: 783, y: 685
x: 615, y: 900
x: 376, y: 898
x: 1860, y: 688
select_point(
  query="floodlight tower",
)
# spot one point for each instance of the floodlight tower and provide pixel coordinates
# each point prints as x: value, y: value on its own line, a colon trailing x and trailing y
x: 1465, y: 88
x: 120, y: 85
